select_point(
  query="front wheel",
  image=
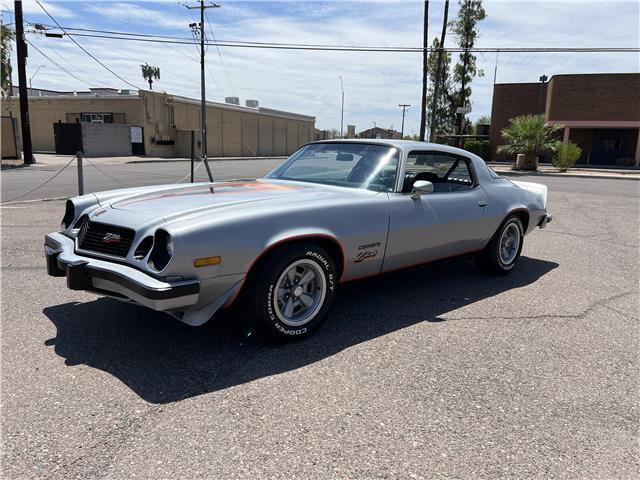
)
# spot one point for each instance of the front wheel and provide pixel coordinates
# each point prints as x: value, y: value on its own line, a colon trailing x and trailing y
x: 292, y: 290
x: 502, y: 253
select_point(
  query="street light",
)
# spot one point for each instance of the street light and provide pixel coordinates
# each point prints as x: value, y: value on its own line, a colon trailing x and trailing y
x: 342, y: 108
x: 34, y: 74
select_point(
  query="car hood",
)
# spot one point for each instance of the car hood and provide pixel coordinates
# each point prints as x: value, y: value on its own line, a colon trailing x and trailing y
x: 173, y: 203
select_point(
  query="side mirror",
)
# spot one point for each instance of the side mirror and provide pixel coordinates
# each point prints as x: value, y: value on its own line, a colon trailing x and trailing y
x: 420, y: 187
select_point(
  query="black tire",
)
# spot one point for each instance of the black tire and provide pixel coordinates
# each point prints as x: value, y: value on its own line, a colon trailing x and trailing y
x: 490, y: 260
x: 261, y: 300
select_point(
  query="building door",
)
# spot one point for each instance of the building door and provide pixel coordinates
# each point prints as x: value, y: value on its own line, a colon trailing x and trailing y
x: 609, y: 146
x: 67, y: 137
x: 137, y: 141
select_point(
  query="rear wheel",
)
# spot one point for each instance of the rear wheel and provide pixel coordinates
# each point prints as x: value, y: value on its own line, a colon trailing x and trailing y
x: 502, y: 253
x: 291, y: 291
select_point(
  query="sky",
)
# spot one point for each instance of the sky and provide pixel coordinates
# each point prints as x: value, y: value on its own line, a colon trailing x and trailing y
x: 307, y: 82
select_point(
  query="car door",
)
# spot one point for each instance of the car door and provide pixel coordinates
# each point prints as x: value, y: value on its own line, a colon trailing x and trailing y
x: 448, y: 222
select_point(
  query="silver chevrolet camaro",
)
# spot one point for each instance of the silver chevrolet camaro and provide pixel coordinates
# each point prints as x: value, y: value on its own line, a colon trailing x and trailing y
x: 279, y: 246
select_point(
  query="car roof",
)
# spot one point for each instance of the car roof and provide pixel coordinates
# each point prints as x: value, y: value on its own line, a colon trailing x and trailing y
x: 405, y: 145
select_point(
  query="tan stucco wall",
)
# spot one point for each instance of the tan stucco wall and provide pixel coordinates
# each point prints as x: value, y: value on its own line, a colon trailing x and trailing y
x: 45, y: 111
x: 231, y: 132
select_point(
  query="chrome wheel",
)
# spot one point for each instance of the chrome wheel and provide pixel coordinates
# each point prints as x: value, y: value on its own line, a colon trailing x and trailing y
x: 509, y: 243
x: 301, y: 290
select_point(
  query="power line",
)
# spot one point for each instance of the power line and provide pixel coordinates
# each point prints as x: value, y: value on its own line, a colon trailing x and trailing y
x: 57, y: 64
x: 73, y: 67
x: 340, y: 48
x: 219, y: 54
x: 117, y: 35
x: 83, y: 49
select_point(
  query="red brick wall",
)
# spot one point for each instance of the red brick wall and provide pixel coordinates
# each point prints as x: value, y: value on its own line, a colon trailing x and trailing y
x: 509, y: 101
x: 583, y: 137
x: 601, y: 97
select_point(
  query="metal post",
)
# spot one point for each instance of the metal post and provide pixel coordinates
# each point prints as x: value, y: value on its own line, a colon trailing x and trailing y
x: 342, y: 109
x: 193, y: 139
x: 425, y: 55
x: 79, y: 156
x: 404, y: 108
x: 21, y: 54
x: 203, y: 100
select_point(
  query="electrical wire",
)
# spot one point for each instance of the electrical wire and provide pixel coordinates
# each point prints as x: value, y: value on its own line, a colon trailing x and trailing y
x: 51, y: 49
x: 219, y: 54
x: 83, y: 49
x: 332, y: 47
x: 57, y: 64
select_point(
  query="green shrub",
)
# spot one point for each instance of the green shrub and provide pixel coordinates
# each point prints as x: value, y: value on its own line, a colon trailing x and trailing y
x: 480, y: 147
x: 531, y: 136
x: 566, y: 156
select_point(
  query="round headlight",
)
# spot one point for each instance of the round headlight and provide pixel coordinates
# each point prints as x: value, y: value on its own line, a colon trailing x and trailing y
x: 69, y: 215
x: 162, y: 250
x: 169, y: 245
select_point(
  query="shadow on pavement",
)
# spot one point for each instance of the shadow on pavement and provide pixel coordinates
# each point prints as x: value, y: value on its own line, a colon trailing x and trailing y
x: 164, y: 361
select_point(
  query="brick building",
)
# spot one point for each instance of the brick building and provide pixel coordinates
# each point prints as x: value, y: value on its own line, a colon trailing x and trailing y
x: 599, y: 112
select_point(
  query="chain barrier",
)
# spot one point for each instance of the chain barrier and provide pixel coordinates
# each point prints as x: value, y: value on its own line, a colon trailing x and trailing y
x: 102, y: 171
x: 41, y: 185
x: 189, y: 174
x: 22, y: 195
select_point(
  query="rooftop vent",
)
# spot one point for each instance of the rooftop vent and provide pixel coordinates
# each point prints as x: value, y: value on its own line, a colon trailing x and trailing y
x: 251, y: 103
x: 232, y: 100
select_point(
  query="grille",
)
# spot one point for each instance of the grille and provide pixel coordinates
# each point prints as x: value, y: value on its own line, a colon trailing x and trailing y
x: 107, y: 239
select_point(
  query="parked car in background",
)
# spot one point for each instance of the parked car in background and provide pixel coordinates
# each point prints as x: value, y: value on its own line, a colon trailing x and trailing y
x: 334, y: 211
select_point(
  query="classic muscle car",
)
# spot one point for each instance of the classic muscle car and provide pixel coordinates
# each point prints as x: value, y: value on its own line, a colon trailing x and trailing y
x: 279, y: 246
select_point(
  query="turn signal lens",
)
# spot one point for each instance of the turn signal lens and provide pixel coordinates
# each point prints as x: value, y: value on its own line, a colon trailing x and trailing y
x: 206, y: 261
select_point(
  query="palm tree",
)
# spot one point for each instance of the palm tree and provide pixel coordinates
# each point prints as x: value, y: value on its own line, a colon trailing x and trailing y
x: 6, y: 36
x: 529, y: 135
x: 149, y: 73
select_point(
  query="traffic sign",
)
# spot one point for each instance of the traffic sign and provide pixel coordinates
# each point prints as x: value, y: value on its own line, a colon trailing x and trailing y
x: 463, y: 110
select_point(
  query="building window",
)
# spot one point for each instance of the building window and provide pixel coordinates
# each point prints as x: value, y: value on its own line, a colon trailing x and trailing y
x: 610, y: 144
x: 96, y: 117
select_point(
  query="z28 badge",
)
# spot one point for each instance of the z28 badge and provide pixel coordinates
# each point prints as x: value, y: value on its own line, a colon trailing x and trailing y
x: 366, y: 251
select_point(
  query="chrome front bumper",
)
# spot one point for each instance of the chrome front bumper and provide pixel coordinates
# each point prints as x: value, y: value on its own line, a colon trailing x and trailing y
x: 114, y: 279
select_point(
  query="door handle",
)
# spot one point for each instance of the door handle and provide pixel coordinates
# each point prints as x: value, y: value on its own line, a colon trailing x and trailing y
x: 482, y: 203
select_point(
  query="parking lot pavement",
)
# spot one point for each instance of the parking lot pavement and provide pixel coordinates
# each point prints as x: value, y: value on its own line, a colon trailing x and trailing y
x: 437, y: 372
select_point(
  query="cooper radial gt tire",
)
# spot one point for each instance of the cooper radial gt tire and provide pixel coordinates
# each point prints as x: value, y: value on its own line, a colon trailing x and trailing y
x: 502, y: 253
x: 291, y: 291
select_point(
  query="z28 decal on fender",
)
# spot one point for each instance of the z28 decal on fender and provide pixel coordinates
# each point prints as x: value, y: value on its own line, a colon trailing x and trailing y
x: 366, y: 251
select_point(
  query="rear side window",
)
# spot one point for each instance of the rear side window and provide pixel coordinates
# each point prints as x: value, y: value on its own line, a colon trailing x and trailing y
x: 448, y: 173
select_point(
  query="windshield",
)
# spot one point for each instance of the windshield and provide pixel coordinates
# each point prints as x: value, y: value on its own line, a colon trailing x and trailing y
x: 354, y: 165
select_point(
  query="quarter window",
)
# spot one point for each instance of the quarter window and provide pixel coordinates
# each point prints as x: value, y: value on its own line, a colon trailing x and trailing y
x: 448, y: 173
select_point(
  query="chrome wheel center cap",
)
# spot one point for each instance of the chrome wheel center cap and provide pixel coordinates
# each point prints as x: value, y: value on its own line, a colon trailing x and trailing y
x: 297, y: 292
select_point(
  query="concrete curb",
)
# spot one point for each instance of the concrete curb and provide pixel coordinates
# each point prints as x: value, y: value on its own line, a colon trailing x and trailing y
x: 516, y: 173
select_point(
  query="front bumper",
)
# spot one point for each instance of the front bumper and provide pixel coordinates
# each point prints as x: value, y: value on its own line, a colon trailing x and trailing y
x: 114, y: 279
x: 546, y: 218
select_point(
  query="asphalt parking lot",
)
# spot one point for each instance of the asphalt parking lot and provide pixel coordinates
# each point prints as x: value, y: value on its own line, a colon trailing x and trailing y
x: 437, y: 372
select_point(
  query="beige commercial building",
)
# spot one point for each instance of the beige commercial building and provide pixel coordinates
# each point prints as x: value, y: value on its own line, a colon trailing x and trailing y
x: 161, y: 124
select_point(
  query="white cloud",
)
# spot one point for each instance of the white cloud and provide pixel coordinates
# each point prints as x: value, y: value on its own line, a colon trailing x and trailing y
x: 307, y: 82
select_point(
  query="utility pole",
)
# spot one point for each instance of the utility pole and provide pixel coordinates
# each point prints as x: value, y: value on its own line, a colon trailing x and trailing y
x: 404, y: 108
x: 342, y: 109
x: 203, y: 102
x: 425, y: 57
x: 436, y: 85
x: 21, y: 53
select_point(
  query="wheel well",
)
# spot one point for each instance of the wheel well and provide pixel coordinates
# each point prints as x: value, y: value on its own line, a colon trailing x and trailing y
x: 331, y: 245
x: 524, y: 216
